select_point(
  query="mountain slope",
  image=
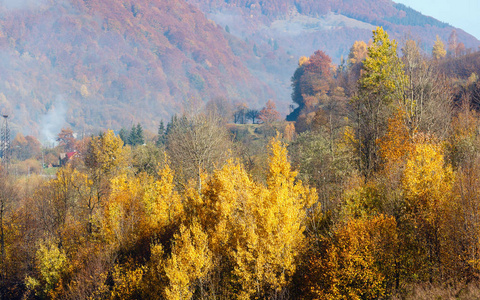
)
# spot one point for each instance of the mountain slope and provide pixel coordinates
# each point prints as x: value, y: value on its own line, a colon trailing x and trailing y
x: 277, y: 29
x: 96, y: 64
x: 329, y: 25
x: 93, y: 64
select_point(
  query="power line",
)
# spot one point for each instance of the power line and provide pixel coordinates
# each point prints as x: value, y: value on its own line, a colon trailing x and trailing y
x: 5, y: 144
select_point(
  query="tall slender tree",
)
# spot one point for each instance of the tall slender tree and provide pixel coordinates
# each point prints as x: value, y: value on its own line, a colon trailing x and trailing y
x: 438, y: 50
x: 379, y: 89
x: 161, y: 136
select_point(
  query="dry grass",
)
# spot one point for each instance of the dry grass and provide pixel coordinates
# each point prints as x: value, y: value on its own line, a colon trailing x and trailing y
x: 440, y: 292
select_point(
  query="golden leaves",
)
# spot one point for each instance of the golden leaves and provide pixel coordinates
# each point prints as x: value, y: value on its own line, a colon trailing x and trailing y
x: 162, y: 203
x: 148, y: 233
x: 396, y: 143
x: 191, y: 260
x: 268, y: 258
x: 358, y: 263
x: 438, y: 50
x: 427, y: 178
x: 106, y: 154
x: 383, y: 70
x: 51, y: 264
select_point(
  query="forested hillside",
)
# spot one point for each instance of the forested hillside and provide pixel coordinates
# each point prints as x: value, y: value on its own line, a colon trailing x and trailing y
x: 370, y: 191
x: 298, y: 28
x: 303, y: 26
x: 108, y: 64
x: 93, y: 65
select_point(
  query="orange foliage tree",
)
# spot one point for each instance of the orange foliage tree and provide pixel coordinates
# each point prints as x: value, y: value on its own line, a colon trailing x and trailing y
x: 269, y: 113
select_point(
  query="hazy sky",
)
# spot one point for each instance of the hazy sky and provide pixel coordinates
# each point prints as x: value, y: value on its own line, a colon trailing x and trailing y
x: 463, y: 14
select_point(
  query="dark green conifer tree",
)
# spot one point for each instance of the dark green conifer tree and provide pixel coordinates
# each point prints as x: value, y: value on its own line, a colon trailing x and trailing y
x: 123, y: 134
x: 140, y: 136
x: 136, y: 136
x: 161, y: 136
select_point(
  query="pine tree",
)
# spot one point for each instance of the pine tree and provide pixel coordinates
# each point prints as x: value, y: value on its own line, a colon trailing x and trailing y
x: 136, y: 136
x: 170, y: 125
x: 139, y: 134
x: 132, y: 136
x: 161, y: 136
x: 123, y: 134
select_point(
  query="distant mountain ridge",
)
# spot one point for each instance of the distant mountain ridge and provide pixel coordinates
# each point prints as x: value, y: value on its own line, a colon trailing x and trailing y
x: 96, y: 64
x: 294, y: 28
x: 92, y: 64
x: 256, y: 18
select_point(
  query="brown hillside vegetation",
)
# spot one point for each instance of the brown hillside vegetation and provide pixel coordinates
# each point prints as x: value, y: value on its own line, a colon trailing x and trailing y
x: 376, y: 196
x: 281, y: 31
x: 111, y: 63
x: 353, y: 20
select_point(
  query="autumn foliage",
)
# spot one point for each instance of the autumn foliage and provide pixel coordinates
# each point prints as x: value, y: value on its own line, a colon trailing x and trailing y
x: 374, y: 197
x: 234, y: 236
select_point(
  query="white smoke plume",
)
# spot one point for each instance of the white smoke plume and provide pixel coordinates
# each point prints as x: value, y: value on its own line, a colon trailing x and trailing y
x: 53, y: 121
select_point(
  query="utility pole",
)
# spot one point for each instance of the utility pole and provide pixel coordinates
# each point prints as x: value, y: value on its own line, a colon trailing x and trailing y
x: 5, y: 144
x: 5, y: 153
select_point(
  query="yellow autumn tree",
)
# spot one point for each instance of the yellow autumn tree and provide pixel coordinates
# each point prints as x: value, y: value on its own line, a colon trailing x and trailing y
x: 124, y: 227
x: 51, y: 262
x: 358, y: 53
x: 258, y: 230
x: 84, y: 91
x: 123, y: 220
x: 438, y: 50
x: 229, y: 216
x: 227, y: 213
x: 268, y: 259
x: 105, y: 159
x: 162, y: 204
x: 230, y: 200
x: 189, y: 264
x: 359, y: 262
x: 141, y: 206
x: 140, y: 210
x: 396, y: 144
x: 427, y: 186
x: 106, y: 154
x: 427, y: 178
x: 380, y: 88
x: 302, y: 60
x: 127, y: 281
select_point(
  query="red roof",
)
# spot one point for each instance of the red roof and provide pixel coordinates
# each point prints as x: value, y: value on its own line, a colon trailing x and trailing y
x: 71, y: 154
